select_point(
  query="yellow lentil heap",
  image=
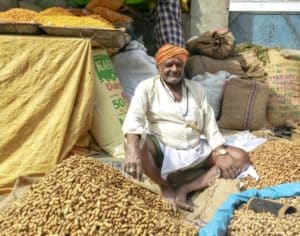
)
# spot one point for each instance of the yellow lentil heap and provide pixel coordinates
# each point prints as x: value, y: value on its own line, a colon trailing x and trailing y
x: 55, y: 11
x: 18, y: 15
x: 74, y: 21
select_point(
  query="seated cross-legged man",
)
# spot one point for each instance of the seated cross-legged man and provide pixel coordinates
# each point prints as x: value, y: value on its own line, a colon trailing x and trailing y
x: 170, y: 129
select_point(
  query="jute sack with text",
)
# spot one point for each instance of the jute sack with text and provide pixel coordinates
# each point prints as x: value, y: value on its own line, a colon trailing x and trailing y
x: 284, y: 82
x: 244, y: 105
x: 110, y: 106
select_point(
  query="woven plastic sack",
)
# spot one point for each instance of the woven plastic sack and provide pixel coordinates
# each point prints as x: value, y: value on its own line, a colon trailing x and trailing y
x: 214, y: 86
x: 110, y: 107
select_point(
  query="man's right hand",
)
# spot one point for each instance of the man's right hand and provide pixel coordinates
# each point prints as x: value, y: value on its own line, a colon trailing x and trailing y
x: 226, y: 164
x: 132, y: 163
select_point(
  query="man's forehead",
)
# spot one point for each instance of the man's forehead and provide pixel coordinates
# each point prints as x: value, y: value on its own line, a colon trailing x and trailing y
x: 172, y: 60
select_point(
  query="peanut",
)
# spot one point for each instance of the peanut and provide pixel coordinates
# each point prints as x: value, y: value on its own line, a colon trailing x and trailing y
x: 63, y: 203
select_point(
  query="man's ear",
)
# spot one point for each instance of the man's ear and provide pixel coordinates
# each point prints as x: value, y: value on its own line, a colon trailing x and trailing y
x: 158, y: 68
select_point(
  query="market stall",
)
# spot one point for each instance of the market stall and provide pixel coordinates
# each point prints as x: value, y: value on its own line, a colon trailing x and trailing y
x: 67, y: 77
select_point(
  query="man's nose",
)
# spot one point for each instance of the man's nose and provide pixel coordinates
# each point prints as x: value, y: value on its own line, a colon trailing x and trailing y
x: 174, y: 67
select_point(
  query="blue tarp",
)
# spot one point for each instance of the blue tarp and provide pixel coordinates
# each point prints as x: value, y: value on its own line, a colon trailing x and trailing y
x: 218, y: 225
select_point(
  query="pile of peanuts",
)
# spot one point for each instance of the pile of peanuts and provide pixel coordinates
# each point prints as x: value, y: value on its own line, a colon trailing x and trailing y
x: 83, y: 196
x: 276, y: 162
x: 247, y: 222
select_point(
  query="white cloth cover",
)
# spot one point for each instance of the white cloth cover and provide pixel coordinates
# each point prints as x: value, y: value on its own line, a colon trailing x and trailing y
x: 133, y: 66
x: 248, y: 142
x: 214, y: 87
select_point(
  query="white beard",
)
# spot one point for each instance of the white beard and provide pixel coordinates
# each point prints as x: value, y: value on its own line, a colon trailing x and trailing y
x: 172, y: 80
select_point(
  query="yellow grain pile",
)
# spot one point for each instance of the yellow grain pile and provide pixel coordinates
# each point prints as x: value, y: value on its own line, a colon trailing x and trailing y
x: 82, y: 196
x: 74, y: 21
x: 55, y: 11
x: 18, y: 15
x: 247, y: 222
x: 276, y: 162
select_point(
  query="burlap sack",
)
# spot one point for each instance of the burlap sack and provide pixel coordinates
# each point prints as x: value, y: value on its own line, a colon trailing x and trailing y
x: 208, y: 201
x: 215, y: 44
x: 244, y: 105
x: 284, y: 82
x: 246, y: 65
x: 21, y: 186
x: 253, y: 66
x: 197, y: 65
x: 290, y: 54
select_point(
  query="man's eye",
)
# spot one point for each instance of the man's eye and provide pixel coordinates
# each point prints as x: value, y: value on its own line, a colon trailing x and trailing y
x: 176, y: 64
x: 169, y: 65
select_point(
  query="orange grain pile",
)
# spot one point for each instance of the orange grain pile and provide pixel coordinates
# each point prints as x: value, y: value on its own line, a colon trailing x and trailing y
x: 18, y: 15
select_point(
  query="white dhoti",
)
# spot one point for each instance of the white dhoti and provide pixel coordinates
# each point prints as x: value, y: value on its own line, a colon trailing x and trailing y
x: 181, y: 159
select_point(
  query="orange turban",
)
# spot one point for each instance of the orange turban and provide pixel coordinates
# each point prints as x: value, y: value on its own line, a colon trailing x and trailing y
x: 171, y: 51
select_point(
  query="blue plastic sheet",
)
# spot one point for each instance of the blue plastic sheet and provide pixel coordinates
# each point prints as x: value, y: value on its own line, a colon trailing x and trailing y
x: 218, y: 225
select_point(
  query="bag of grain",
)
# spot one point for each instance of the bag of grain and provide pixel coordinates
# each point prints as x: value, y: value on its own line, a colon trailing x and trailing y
x: 284, y: 82
x: 110, y: 106
x: 244, y: 105
x: 216, y: 44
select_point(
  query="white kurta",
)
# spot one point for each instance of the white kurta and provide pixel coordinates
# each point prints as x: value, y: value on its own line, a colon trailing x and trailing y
x: 152, y: 104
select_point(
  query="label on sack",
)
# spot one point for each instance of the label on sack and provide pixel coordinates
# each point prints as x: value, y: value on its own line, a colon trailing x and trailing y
x: 111, y: 106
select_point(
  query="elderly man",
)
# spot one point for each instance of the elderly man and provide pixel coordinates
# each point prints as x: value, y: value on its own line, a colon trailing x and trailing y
x: 170, y: 129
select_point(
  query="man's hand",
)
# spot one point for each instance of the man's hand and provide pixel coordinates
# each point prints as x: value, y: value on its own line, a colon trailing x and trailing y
x: 132, y: 162
x: 226, y: 164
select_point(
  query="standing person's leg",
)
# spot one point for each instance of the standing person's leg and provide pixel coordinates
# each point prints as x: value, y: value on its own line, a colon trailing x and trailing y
x: 168, y: 27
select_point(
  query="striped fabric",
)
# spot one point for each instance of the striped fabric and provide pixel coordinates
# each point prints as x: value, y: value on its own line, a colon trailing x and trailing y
x: 168, y: 23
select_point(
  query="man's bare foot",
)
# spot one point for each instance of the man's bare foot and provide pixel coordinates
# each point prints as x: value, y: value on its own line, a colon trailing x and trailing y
x: 181, y: 200
x: 168, y: 193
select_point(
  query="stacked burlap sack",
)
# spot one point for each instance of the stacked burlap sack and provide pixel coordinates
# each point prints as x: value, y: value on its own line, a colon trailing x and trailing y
x: 214, y: 51
x: 265, y: 89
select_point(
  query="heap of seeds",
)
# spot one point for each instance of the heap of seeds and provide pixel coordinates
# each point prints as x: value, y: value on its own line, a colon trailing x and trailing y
x: 73, y: 21
x: 247, y: 222
x: 55, y: 11
x: 276, y: 162
x: 83, y: 196
x: 18, y: 15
